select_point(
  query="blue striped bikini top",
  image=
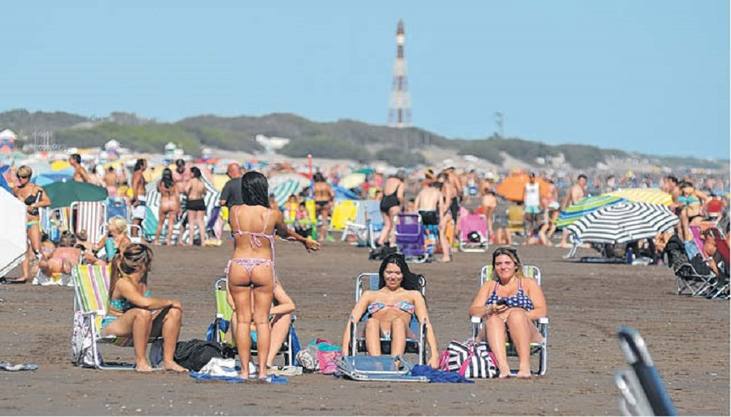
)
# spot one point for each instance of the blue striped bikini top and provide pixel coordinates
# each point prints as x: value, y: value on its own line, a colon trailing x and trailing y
x: 519, y: 300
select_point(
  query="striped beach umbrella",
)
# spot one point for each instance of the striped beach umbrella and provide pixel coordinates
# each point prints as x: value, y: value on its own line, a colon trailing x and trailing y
x: 583, y: 207
x: 283, y: 190
x: 644, y: 195
x: 624, y: 222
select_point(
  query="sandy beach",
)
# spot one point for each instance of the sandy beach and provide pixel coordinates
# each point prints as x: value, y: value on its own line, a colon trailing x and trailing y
x: 688, y: 338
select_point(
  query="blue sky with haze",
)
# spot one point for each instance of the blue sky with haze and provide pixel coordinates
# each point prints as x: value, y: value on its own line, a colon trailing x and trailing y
x: 649, y: 76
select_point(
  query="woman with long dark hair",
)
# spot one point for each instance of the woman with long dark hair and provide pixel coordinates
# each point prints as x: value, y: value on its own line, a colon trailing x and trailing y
x: 196, y: 206
x: 169, y: 205
x: 251, y: 268
x: 390, y: 310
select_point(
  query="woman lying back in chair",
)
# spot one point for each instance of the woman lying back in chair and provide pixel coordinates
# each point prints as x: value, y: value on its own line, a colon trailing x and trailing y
x: 510, y: 301
x: 390, y: 309
x: 132, y: 311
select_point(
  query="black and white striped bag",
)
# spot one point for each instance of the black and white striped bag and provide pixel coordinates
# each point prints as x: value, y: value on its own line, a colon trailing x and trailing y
x: 469, y: 360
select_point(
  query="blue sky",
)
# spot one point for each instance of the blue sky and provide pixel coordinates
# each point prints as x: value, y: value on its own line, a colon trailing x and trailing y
x: 649, y: 76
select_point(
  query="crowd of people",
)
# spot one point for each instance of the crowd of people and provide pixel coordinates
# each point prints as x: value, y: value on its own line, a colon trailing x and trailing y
x: 509, y: 302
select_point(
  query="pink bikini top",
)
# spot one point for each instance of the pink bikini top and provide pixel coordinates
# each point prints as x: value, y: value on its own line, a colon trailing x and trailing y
x: 253, y: 236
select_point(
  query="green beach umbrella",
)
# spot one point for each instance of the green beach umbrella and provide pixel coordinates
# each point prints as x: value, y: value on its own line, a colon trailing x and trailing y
x: 585, y: 206
x: 62, y: 194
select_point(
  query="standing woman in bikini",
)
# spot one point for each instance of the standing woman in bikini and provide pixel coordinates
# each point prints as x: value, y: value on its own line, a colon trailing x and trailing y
x: 393, y: 198
x: 169, y: 205
x: 251, y: 269
x: 34, y: 198
x: 139, y: 190
x: 323, y: 203
x: 196, y: 205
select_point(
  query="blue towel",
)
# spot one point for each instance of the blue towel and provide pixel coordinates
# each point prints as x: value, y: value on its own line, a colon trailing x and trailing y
x: 203, y: 377
x: 438, y: 376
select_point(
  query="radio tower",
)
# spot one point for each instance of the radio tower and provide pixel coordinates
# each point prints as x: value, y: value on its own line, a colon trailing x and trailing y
x: 399, y: 109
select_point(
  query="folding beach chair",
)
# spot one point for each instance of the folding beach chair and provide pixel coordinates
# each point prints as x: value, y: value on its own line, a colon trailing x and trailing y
x: 343, y: 212
x: 415, y: 345
x: 54, y: 221
x: 374, y: 219
x: 473, y: 233
x: 91, y: 298
x: 540, y: 349
x: 90, y: 216
x: 516, y: 217
x: 117, y: 206
x: 222, y: 323
x: 410, y: 238
x: 358, y: 226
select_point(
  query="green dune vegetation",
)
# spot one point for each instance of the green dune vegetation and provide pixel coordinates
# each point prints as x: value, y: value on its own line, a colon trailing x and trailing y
x: 344, y: 139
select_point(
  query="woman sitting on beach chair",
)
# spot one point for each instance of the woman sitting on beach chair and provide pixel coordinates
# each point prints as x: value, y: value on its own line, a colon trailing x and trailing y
x: 280, y: 320
x: 510, y: 302
x: 132, y: 310
x: 391, y: 309
x: 116, y: 238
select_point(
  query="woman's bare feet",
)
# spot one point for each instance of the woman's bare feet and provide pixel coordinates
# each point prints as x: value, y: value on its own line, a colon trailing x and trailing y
x: 524, y: 375
x: 144, y: 368
x: 504, y: 373
x: 172, y: 366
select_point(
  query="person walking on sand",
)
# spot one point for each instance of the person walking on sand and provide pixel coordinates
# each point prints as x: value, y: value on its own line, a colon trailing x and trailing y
x: 390, y: 205
x: 576, y: 193
x: 432, y: 206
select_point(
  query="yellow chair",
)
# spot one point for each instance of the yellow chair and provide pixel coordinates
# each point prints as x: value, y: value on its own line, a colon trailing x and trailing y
x: 344, y: 212
x: 516, y: 216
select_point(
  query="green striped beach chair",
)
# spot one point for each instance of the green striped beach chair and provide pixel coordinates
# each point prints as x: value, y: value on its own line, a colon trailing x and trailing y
x: 222, y: 323
x: 91, y: 298
x: 540, y: 349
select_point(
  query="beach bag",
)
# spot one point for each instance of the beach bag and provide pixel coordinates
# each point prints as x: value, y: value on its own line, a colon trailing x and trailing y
x: 82, y: 341
x: 320, y: 355
x: 195, y: 354
x: 469, y: 359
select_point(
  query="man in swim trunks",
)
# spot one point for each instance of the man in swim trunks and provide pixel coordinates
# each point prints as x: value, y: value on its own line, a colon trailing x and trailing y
x: 576, y: 193
x: 430, y: 203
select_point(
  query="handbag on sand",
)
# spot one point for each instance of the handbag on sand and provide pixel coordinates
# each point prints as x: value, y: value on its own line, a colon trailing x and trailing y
x: 469, y: 359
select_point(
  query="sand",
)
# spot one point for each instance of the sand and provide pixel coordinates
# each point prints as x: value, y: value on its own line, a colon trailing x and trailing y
x: 688, y: 338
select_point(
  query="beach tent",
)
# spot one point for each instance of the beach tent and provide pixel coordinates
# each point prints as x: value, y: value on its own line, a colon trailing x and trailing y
x: 12, y: 232
x: 7, y: 141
